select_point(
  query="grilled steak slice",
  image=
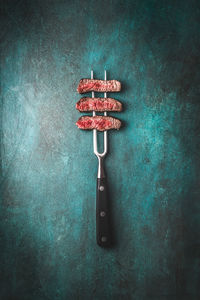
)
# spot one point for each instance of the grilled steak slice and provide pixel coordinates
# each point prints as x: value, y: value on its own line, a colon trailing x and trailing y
x: 96, y: 85
x: 100, y: 123
x: 98, y: 104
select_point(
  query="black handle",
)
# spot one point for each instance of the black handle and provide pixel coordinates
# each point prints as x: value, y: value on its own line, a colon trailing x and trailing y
x: 103, y: 230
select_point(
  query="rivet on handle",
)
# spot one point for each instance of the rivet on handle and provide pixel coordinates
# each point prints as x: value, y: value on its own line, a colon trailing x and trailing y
x: 104, y: 239
x: 101, y: 188
x: 102, y: 213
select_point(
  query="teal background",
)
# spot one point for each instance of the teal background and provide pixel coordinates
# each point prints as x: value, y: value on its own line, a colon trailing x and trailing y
x: 48, y: 180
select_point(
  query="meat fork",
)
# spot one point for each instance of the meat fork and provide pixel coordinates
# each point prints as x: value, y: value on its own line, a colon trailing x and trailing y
x: 103, y: 232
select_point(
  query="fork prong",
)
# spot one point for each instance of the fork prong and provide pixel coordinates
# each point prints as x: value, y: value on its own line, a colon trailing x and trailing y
x: 94, y: 130
x: 105, y: 134
x: 92, y: 77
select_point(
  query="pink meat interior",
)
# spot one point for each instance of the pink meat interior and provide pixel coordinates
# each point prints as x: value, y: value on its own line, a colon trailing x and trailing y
x: 96, y: 123
x: 95, y: 105
x: 88, y: 86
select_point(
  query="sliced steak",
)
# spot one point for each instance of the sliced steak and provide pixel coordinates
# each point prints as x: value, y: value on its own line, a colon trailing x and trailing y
x: 96, y: 85
x: 98, y: 104
x: 100, y: 123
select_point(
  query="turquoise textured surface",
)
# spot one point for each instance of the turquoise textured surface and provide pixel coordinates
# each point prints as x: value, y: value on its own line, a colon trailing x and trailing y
x: 48, y: 179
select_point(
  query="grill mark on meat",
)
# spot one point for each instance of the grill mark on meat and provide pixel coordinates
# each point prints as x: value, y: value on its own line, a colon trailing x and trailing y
x: 100, y: 123
x: 96, y: 85
x: 98, y: 104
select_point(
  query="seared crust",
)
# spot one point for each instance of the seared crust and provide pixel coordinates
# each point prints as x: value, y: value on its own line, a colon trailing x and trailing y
x: 96, y: 85
x: 100, y: 123
x: 98, y: 104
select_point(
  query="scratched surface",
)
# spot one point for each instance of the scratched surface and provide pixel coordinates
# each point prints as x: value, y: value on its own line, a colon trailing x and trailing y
x: 47, y: 208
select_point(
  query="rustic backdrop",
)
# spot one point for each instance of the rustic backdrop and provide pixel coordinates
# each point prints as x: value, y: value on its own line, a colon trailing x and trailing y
x: 47, y: 209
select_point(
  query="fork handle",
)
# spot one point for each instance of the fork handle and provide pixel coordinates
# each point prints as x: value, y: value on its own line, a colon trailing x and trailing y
x: 103, y: 230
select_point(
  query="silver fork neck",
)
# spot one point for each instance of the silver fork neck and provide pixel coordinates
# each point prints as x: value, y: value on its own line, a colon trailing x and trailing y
x: 101, y: 172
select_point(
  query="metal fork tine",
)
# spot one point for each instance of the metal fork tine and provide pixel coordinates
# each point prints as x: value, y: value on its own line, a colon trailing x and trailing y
x: 94, y: 130
x: 94, y: 114
x: 105, y: 114
x: 92, y: 77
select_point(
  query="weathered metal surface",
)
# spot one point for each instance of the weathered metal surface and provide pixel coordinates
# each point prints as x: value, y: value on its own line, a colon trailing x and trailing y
x: 47, y: 209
